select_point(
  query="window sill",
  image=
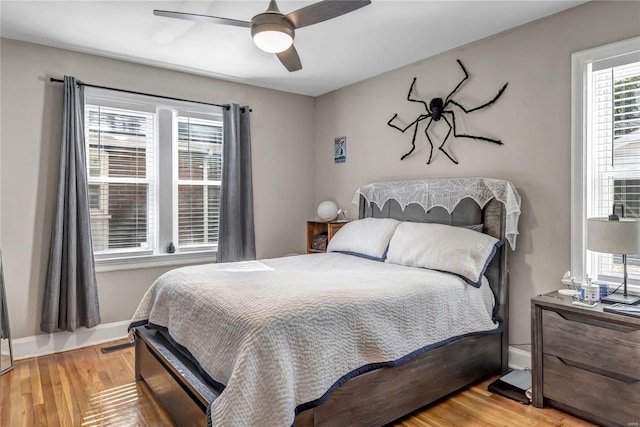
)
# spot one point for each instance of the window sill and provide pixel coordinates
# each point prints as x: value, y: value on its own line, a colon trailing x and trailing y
x: 151, y: 261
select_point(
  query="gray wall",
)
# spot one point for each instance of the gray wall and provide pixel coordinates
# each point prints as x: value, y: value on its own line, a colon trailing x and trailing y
x: 282, y: 131
x: 532, y: 118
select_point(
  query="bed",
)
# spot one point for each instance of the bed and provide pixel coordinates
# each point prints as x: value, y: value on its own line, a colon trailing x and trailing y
x: 375, y: 393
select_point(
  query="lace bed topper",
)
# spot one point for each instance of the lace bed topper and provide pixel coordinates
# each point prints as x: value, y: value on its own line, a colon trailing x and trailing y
x: 447, y: 193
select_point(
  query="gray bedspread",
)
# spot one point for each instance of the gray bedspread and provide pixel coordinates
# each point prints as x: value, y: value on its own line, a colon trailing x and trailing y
x: 282, y: 332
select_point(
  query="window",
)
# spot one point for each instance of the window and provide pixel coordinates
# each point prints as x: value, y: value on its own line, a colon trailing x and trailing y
x: 154, y: 173
x: 120, y: 152
x: 199, y: 180
x: 606, y: 150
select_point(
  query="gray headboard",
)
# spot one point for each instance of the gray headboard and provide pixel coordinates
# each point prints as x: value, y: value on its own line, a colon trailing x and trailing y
x: 467, y: 212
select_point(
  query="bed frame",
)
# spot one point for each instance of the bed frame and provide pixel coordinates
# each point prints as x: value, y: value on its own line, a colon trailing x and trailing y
x: 377, y: 397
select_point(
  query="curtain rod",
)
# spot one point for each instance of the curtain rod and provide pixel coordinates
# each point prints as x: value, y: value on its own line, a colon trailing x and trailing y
x: 225, y: 106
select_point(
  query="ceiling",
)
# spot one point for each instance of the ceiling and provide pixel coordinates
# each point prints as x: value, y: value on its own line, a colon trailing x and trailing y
x: 382, y: 36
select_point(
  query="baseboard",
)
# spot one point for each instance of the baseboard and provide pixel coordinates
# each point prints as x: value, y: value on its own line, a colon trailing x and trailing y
x: 41, y: 345
x: 519, y: 359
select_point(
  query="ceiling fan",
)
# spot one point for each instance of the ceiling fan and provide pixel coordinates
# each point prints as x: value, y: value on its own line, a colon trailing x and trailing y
x: 273, y: 31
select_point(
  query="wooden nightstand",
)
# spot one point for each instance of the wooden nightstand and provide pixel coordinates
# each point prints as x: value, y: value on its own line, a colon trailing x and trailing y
x: 315, y: 228
x: 585, y: 361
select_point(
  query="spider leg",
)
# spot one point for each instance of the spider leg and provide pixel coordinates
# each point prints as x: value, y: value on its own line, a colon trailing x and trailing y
x: 466, y: 76
x: 441, y: 147
x: 415, y: 122
x: 430, y: 142
x: 413, y: 140
x: 483, y: 105
x: 464, y: 135
x: 426, y: 106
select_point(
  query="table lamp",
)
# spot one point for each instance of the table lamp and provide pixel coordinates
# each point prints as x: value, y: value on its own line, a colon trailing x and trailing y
x: 615, y: 235
x: 327, y: 211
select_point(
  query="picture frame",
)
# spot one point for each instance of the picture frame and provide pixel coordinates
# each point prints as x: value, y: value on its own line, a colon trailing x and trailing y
x: 340, y: 149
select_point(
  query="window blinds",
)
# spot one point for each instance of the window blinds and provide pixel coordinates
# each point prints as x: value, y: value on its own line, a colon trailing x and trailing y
x: 614, y: 152
x: 199, y: 180
x: 120, y: 162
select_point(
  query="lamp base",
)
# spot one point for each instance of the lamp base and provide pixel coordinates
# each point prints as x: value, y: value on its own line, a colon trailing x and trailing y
x: 629, y: 299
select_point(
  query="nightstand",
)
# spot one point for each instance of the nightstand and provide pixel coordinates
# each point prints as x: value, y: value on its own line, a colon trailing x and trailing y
x: 585, y: 361
x: 314, y: 228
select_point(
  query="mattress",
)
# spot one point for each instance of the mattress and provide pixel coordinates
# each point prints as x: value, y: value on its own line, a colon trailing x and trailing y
x: 280, y: 335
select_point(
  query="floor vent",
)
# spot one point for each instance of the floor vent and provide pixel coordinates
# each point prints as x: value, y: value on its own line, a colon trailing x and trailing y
x: 113, y: 348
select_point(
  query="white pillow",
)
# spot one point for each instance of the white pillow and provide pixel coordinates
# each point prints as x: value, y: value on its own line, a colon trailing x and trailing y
x: 455, y: 250
x: 367, y: 238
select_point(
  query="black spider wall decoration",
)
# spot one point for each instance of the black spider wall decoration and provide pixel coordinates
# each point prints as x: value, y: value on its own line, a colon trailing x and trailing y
x: 438, y: 109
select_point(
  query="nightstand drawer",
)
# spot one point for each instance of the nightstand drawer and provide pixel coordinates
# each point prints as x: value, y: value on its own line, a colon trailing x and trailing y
x: 608, y: 348
x: 592, y: 393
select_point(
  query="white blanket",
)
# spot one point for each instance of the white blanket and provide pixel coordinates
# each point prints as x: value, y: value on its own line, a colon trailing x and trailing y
x: 280, y: 333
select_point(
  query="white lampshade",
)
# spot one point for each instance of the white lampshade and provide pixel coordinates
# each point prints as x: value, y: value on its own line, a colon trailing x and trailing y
x: 327, y: 211
x: 272, y: 41
x: 613, y: 237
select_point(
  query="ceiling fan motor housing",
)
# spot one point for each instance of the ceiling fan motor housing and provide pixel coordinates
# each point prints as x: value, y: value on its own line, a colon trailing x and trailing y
x: 270, y: 21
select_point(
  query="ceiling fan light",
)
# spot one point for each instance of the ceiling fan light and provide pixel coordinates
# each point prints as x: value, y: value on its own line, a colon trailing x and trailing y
x: 272, y: 41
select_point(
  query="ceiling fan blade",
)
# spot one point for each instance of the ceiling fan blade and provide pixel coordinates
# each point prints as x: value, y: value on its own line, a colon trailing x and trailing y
x: 324, y: 10
x: 202, y: 18
x: 290, y: 59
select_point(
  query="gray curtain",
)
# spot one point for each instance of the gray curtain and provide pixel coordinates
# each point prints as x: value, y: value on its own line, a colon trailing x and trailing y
x: 236, y: 241
x: 71, y: 295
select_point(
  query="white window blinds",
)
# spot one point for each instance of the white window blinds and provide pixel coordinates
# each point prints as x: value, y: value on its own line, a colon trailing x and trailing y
x: 613, y: 172
x: 154, y: 174
x: 120, y: 161
x: 199, y: 178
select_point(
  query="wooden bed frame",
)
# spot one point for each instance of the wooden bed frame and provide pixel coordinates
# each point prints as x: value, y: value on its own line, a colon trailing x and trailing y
x: 377, y: 397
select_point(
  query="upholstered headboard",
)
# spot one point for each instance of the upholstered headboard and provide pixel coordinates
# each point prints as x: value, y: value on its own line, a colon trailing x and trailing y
x: 466, y: 212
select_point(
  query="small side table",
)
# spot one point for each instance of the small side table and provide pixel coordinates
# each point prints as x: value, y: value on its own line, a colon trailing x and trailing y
x: 315, y: 228
x: 585, y: 361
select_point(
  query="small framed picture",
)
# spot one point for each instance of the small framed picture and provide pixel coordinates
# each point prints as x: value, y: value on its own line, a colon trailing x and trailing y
x: 340, y: 149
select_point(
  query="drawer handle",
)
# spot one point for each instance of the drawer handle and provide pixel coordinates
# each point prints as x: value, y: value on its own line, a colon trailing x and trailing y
x: 596, y: 322
x: 601, y: 372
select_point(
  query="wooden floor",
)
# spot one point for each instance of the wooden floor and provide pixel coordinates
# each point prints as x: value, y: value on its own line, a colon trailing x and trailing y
x: 87, y: 388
